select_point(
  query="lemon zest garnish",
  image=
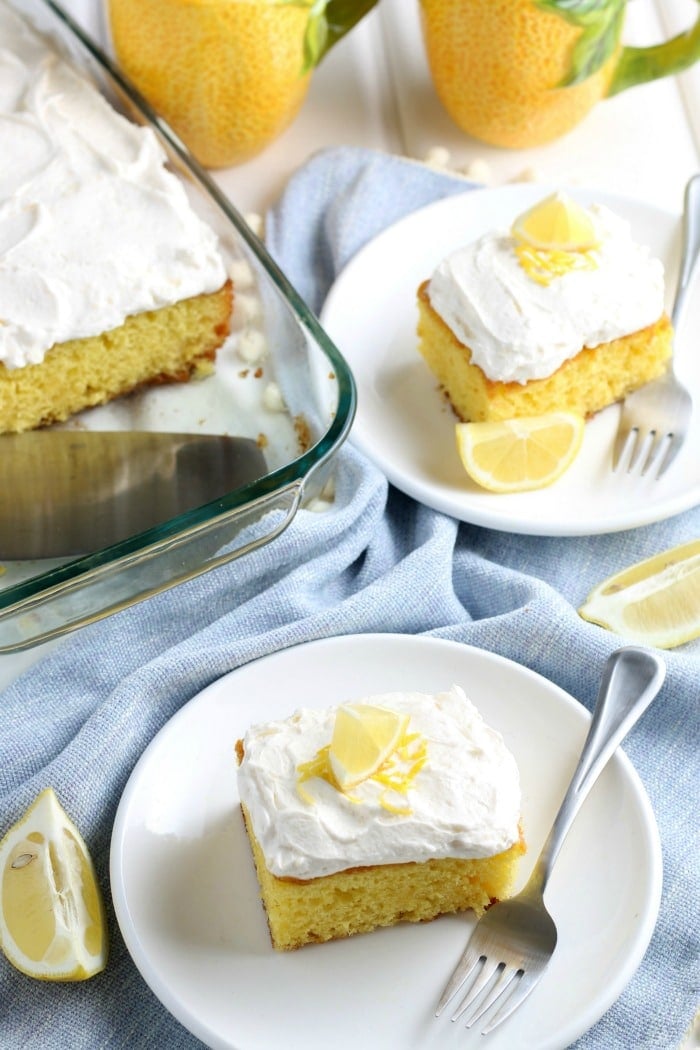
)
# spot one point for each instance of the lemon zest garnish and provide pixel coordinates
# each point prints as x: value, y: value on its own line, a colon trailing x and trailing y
x: 545, y: 265
x: 411, y: 750
x: 317, y: 766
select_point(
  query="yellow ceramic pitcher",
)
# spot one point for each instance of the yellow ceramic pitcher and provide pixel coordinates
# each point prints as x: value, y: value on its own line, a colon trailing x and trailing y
x: 518, y: 73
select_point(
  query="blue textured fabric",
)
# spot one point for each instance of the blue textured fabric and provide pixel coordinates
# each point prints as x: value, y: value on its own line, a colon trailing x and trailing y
x: 377, y: 561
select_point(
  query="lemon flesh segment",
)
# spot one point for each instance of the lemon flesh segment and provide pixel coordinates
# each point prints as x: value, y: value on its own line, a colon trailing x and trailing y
x: 363, y: 738
x: 557, y: 223
x: 654, y: 602
x: 517, y: 455
x: 52, y: 920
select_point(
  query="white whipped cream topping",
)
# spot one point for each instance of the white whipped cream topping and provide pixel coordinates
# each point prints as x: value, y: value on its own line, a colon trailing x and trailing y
x: 517, y: 329
x: 465, y: 802
x: 93, y: 228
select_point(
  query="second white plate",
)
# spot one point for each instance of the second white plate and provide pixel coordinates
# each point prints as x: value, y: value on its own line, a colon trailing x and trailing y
x: 186, y: 896
x: 403, y: 423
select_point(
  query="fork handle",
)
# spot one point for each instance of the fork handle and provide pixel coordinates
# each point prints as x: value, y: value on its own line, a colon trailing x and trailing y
x: 631, y: 679
x: 691, y: 245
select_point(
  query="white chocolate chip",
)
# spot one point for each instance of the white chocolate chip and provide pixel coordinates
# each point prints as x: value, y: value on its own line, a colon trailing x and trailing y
x: 251, y: 346
x: 272, y: 398
x: 241, y: 273
x: 438, y: 157
x: 255, y: 222
x: 248, y: 308
x: 478, y: 169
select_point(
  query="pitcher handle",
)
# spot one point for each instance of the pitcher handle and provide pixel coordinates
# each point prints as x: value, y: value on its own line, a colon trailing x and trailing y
x: 638, y: 65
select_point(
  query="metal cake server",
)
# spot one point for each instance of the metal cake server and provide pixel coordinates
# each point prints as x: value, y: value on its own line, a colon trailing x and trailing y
x: 69, y: 492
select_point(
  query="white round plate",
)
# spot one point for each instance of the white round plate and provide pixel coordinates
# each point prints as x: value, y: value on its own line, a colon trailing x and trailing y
x: 406, y: 427
x: 185, y: 890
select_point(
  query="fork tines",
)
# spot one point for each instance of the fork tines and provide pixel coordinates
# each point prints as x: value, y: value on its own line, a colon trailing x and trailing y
x: 496, y: 986
x: 643, y: 452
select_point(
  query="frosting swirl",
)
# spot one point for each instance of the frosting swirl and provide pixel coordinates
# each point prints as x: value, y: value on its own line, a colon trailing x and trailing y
x: 93, y: 227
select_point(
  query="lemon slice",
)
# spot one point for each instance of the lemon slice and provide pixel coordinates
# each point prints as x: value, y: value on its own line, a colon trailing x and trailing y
x: 363, y: 738
x: 52, y: 923
x: 655, y: 602
x: 520, y: 454
x: 556, y: 223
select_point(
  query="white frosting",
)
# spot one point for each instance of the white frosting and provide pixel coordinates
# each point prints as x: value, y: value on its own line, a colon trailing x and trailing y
x: 465, y: 801
x: 517, y: 329
x: 92, y: 226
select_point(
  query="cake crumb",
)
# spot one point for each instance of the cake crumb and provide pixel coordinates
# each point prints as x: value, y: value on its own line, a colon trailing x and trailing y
x: 303, y: 433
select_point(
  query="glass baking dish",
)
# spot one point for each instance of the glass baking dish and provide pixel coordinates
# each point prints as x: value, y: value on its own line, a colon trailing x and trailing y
x: 297, y: 403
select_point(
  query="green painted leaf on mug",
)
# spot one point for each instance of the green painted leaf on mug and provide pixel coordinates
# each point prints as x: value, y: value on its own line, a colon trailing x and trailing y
x: 329, y: 21
x: 600, y: 22
x: 580, y: 12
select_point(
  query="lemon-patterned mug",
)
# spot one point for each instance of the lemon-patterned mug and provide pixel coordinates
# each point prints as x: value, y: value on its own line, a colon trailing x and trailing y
x: 228, y: 75
x: 518, y: 73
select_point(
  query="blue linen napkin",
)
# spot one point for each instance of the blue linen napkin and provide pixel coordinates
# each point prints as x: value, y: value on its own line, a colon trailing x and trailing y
x: 377, y: 561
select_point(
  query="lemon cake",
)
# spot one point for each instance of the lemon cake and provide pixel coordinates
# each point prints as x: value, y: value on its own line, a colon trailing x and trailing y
x: 564, y: 311
x: 399, y: 807
x: 108, y: 279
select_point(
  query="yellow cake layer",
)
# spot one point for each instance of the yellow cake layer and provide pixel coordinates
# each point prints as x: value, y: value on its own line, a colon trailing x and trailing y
x: 584, y: 384
x: 171, y: 344
x: 362, y: 899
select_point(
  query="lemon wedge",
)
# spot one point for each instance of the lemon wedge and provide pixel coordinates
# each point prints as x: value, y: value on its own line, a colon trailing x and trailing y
x: 655, y: 602
x: 556, y: 223
x: 363, y: 738
x: 52, y: 922
x: 516, y: 455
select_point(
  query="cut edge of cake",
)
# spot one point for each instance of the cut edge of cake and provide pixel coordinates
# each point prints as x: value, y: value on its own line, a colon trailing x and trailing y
x: 361, y: 899
x: 586, y: 383
x: 168, y: 345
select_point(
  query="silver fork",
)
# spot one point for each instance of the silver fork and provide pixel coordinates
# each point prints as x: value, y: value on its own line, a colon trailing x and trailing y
x: 654, y: 420
x: 512, y: 944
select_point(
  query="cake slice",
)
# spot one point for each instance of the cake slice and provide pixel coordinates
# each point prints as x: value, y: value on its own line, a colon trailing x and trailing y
x: 352, y: 829
x: 109, y: 280
x: 527, y: 321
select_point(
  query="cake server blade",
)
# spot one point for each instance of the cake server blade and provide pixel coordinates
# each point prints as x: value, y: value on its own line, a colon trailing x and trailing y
x: 69, y: 492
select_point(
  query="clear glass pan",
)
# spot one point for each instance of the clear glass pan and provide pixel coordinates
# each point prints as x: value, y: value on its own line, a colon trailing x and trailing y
x: 42, y: 599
